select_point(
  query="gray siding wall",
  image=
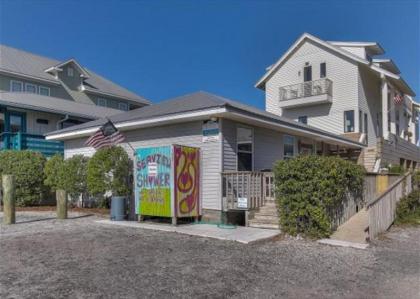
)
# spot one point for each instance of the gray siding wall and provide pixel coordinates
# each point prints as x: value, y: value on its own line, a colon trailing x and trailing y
x: 268, y: 146
x: 186, y: 134
x: 343, y: 74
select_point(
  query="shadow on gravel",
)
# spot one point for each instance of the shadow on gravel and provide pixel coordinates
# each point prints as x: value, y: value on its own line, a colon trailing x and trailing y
x: 51, y: 218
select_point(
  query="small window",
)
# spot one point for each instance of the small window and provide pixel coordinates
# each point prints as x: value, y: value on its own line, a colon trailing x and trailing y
x: 288, y: 146
x: 30, y: 87
x: 365, y: 122
x: 397, y: 122
x: 42, y: 121
x: 123, y: 106
x: 323, y: 70
x: 102, y: 102
x: 45, y: 91
x: 70, y: 72
x: 348, y: 121
x: 360, y: 121
x: 307, y: 73
x: 303, y: 119
x: 244, y: 138
x: 16, y: 86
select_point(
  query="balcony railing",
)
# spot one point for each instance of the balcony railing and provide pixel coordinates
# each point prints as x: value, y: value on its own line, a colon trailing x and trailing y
x: 23, y: 141
x: 306, y: 89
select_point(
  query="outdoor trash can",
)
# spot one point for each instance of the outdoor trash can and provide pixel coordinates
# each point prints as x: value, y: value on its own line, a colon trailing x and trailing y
x: 117, y: 208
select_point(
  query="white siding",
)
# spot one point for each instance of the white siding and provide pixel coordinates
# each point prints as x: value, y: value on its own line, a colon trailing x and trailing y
x: 341, y: 71
x: 189, y: 134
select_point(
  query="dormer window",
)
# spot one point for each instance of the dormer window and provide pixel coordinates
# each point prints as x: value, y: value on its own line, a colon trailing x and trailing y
x: 70, y: 72
x: 16, y: 86
x: 102, y: 102
x: 123, y: 106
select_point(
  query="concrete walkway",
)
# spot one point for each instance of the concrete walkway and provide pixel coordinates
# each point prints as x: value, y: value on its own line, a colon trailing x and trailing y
x: 239, y: 234
x: 351, y: 233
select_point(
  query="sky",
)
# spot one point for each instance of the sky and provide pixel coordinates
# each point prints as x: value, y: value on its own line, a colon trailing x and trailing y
x: 163, y: 49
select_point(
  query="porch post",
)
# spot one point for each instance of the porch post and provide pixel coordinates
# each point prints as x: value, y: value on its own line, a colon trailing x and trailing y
x: 384, y: 94
x: 392, y: 112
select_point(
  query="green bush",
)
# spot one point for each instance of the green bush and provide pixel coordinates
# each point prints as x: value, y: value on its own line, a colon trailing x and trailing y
x: 408, y: 209
x: 28, y: 169
x: 310, y: 188
x: 108, y: 172
x: 69, y: 174
x: 396, y: 169
x: 416, y: 179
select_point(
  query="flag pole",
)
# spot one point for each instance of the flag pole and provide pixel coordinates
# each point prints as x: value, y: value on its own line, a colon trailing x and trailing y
x: 128, y: 143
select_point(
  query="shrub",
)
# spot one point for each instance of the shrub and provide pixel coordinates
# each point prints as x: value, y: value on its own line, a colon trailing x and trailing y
x: 396, y: 169
x: 310, y: 188
x: 108, y: 172
x: 55, y: 173
x: 28, y: 169
x: 408, y: 209
x: 76, y: 175
x: 416, y: 179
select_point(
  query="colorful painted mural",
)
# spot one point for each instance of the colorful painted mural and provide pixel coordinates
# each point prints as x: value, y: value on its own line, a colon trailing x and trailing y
x: 154, y: 181
x: 187, y: 181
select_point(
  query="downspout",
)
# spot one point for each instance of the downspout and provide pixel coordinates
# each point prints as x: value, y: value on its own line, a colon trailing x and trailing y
x: 66, y: 118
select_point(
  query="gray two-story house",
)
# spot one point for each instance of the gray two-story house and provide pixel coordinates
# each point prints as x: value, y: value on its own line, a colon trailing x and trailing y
x: 346, y: 88
x: 39, y: 95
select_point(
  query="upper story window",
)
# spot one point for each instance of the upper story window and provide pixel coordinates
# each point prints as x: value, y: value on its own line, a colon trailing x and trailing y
x: 70, y: 72
x: 30, y: 87
x: 288, y: 146
x: 360, y: 121
x: 16, y: 86
x: 303, y: 119
x: 307, y: 73
x: 244, y: 143
x: 123, y: 106
x: 45, y: 91
x: 348, y: 121
x: 323, y: 70
x: 102, y: 102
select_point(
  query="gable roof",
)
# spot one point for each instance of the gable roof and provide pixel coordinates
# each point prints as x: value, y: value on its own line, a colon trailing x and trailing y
x: 195, y: 104
x: 336, y: 49
x: 73, y: 61
x: 24, y: 64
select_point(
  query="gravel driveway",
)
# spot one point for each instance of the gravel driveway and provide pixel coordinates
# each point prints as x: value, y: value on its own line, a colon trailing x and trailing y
x: 46, y: 258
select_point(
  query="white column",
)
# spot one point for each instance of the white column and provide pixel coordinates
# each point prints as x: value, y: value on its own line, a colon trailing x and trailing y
x: 384, y: 93
x: 392, y: 113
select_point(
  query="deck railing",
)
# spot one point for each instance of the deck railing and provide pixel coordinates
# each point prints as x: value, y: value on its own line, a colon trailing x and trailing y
x: 23, y: 141
x: 382, y: 208
x: 306, y: 89
x: 253, y: 187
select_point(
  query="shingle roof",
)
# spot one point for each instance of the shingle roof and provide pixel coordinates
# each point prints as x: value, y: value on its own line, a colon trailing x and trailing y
x: 29, y: 64
x: 195, y: 102
x: 55, y: 105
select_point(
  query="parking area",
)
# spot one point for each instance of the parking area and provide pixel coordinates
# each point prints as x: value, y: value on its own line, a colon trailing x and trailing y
x: 41, y: 257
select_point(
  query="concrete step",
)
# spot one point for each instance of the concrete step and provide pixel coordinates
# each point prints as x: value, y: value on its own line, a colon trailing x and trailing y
x: 262, y: 225
x: 259, y: 217
x: 264, y: 221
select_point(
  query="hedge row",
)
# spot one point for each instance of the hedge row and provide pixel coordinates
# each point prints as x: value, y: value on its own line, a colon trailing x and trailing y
x: 106, y: 173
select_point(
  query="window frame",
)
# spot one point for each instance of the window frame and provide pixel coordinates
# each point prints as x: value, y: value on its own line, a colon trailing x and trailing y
x: 305, y: 117
x: 309, y: 67
x: 19, y: 82
x: 70, y: 71
x: 126, y: 105
x: 245, y: 151
x: 323, y: 75
x: 31, y: 84
x: 293, y: 138
x: 102, y: 99
x: 44, y: 87
x: 345, y: 119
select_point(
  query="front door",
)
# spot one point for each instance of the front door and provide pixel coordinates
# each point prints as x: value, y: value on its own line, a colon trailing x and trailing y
x: 15, y: 122
x: 307, y: 79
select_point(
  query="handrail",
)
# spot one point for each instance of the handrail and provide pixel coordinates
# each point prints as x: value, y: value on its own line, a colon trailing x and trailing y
x: 389, y: 189
x: 306, y: 89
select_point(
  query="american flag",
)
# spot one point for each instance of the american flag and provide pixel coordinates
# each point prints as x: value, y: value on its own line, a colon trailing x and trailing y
x: 107, y: 135
x: 398, y: 99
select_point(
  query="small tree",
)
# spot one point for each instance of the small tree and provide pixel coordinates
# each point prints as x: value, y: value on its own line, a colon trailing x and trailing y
x: 55, y: 173
x: 76, y: 175
x: 108, y: 171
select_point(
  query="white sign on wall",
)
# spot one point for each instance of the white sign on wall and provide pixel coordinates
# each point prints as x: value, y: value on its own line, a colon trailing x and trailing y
x: 210, y: 130
x: 242, y: 202
x: 152, y: 168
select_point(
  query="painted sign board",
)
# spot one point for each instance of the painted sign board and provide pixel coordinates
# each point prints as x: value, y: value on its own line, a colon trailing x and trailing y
x: 242, y: 203
x: 154, y: 181
x: 210, y: 130
x: 168, y: 181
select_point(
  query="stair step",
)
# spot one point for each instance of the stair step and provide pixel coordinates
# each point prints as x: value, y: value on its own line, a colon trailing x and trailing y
x: 273, y: 218
x: 265, y: 221
x: 268, y: 226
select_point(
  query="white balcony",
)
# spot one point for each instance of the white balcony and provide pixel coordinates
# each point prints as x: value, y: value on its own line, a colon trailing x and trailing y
x: 306, y: 93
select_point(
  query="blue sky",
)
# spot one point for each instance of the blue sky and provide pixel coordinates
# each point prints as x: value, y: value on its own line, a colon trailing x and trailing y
x: 162, y: 49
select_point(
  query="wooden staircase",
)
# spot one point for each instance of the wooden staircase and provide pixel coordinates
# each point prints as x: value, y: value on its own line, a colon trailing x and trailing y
x: 369, y: 158
x: 266, y: 216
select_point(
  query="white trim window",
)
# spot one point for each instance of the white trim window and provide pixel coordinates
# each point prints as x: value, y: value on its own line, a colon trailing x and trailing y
x: 16, y: 86
x: 123, y: 106
x: 245, y: 147
x: 29, y: 87
x: 288, y: 147
x: 102, y: 102
x: 70, y: 72
x: 44, y: 91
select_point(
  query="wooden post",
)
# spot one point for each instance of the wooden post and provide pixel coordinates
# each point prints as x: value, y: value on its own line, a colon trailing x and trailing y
x: 8, y: 182
x: 61, y: 197
x: 381, y: 183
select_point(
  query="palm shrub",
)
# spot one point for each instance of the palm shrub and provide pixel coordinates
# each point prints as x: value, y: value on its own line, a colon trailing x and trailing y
x: 310, y: 188
x: 108, y: 173
x: 28, y: 169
